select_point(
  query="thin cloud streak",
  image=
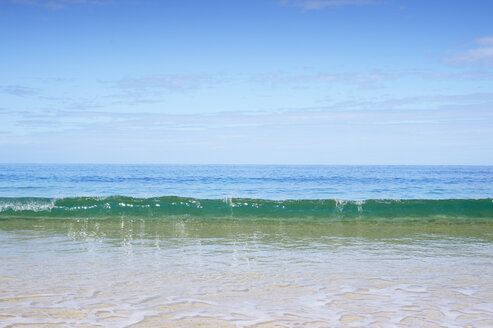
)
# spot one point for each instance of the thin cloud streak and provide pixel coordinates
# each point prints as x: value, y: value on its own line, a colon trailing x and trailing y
x: 18, y: 90
x: 368, y: 79
x: 481, y: 54
x: 438, y: 110
x: 60, y: 4
x: 322, y: 4
x: 149, y: 89
x: 168, y: 82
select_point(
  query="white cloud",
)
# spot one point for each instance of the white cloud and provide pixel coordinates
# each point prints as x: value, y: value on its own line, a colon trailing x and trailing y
x: 59, y: 4
x: 482, y: 53
x: 321, y: 4
x: 360, y: 79
x: 151, y: 88
x: 485, y: 41
x: 392, y: 111
x: 18, y: 90
x: 169, y: 82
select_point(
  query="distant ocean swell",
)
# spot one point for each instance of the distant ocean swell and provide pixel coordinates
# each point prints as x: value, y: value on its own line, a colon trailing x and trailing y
x: 242, y: 208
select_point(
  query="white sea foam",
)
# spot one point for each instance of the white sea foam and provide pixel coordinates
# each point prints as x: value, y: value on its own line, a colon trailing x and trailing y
x: 228, y: 200
x: 360, y: 204
x: 340, y: 204
x: 18, y: 205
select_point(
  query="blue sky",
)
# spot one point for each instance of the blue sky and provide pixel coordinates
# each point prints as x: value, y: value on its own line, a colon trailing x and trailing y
x: 272, y: 81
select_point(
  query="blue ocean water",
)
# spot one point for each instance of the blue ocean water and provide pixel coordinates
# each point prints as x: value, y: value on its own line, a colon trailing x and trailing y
x: 274, y: 182
x: 329, y: 193
x: 246, y: 246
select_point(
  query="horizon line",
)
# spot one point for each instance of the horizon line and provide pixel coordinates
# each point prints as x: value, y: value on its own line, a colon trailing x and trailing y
x: 231, y: 164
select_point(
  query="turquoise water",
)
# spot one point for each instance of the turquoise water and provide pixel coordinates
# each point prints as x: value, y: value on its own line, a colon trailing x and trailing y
x: 246, y: 246
x: 331, y: 193
x: 164, y: 208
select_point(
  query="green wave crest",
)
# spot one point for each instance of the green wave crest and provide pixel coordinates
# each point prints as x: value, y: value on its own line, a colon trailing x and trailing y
x: 170, y: 207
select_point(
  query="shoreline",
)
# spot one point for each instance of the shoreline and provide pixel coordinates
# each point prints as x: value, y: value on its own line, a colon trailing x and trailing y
x: 244, y: 274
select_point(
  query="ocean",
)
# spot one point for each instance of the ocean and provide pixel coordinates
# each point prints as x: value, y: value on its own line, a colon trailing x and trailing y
x: 246, y: 246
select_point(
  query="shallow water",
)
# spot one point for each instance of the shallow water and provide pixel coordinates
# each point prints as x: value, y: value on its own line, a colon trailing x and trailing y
x: 246, y: 246
x: 227, y: 273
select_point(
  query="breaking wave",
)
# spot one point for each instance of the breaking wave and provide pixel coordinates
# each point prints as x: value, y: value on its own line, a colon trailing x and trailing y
x: 170, y: 207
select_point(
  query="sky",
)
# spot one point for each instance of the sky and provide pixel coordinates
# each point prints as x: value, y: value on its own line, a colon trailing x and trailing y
x: 246, y: 82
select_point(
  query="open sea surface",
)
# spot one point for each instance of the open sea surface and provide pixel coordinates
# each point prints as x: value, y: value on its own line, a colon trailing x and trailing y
x: 246, y: 246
